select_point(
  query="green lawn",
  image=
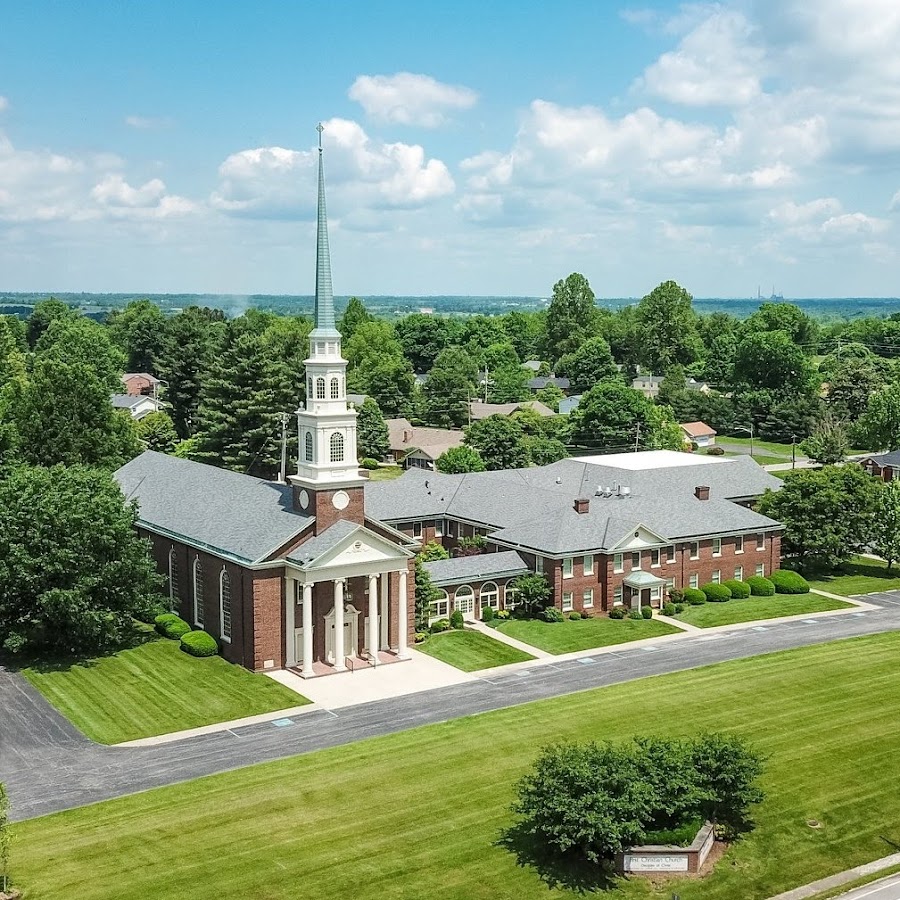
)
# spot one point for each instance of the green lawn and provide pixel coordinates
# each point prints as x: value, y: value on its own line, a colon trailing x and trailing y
x: 860, y: 576
x: 712, y: 614
x: 385, y: 473
x: 155, y: 688
x: 584, y: 634
x: 470, y: 650
x: 417, y: 814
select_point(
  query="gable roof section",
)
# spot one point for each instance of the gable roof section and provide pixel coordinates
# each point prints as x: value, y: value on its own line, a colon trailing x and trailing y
x: 225, y: 512
x: 506, y: 564
x: 892, y: 458
x: 483, y: 410
x: 696, y: 429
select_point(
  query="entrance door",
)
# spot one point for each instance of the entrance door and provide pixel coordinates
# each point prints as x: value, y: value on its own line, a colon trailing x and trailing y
x: 298, y: 646
x: 351, y: 632
x: 464, y: 600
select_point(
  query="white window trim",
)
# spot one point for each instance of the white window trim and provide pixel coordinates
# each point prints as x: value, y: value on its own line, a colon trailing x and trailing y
x: 694, y: 581
x: 694, y: 544
x: 618, y: 563
x: 222, y: 576
x: 761, y: 542
x: 418, y: 530
x: 739, y: 543
x: 717, y: 542
x: 717, y: 576
x: 496, y: 592
x: 618, y: 596
x: 198, y: 607
x: 568, y: 567
x: 640, y: 556
x: 761, y: 570
x: 568, y: 601
x: 588, y: 563
x: 739, y: 573
x: 438, y: 528
x: 658, y: 563
x: 671, y: 553
x: 587, y: 598
x: 445, y: 601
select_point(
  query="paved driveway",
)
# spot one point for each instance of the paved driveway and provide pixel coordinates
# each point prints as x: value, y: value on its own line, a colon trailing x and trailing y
x: 47, y: 766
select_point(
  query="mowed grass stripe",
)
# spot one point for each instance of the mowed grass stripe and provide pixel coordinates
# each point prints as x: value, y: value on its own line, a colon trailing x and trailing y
x: 754, y: 608
x: 153, y: 689
x: 471, y: 650
x: 417, y: 814
x: 570, y: 636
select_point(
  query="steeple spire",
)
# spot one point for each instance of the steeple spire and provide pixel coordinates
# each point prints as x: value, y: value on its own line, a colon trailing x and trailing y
x: 324, y: 295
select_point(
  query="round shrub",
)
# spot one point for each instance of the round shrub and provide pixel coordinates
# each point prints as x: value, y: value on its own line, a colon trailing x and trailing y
x: 199, y: 643
x: 617, y: 613
x: 487, y: 613
x: 502, y: 614
x: 646, y: 612
x: 574, y: 615
x: 456, y: 619
x: 694, y: 596
x: 715, y: 451
x: 552, y: 614
x: 788, y: 582
x: 163, y: 619
x: 716, y: 593
x: 636, y: 615
x: 740, y: 590
x: 420, y: 636
x: 668, y: 609
x: 174, y: 630
x: 439, y: 626
x: 675, y: 595
x: 679, y: 608
x: 369, y: 463
x: 760, y: 587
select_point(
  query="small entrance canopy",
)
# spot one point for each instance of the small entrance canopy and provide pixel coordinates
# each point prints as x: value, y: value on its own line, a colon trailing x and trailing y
x: 640, y: 580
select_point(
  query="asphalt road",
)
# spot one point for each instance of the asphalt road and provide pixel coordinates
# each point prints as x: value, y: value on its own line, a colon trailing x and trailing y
x: 883, y: 889
x: 47, y: 765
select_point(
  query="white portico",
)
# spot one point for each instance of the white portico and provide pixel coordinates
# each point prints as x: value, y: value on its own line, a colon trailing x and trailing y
x: 348, y: 600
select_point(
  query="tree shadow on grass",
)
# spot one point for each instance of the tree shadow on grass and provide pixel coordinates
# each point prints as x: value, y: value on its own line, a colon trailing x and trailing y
x: 572, y: 873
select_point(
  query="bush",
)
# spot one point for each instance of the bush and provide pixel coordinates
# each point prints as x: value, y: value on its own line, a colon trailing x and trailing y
x: 502, y: 614
x: 420, y: 636
x: 175, y: 629
x: 574, y: 615
x: 369, y: 463
x: 716, y: 593
x: 679, y: 608
x: 787, y: 582
x: 199, y: 643
x: 646, y: 612
x: 760, y: 587
x: 636, y: 614
x: 676, y: 596
x: 694, y: 596
x: 551, y: 614
x: 715, y: 451
x: 487, y: 613
x: 617, y: 613
x: 456, y: 619
x: 669, y: 609
x: 163, y: 619
x: 439, y: 626
x: 739, y: 589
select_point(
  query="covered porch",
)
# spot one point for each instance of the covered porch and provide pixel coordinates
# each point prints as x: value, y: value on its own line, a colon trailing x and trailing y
x: 643, y: 589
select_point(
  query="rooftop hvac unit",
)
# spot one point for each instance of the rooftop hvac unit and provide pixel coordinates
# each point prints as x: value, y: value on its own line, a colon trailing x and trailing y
x: 624, y: 491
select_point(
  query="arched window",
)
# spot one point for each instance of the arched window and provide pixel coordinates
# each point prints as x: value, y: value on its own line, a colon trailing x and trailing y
x: 309, y: 389
x: 489, y: 595
x: 439, y: 608
x: 510, y: 595
x: 335, y: 389
x: 173, y: 579
x: 198, y: 592
x: 225, y: 604
x: 309, y: 446
x: 464, y: 600
x: 337, y: 447
x: 320, y: 389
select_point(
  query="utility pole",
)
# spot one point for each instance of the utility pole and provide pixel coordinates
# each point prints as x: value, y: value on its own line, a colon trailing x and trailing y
x: 637, y: 437
x: 793, y: 452
x: 485, y: 384
x: 282, y: 475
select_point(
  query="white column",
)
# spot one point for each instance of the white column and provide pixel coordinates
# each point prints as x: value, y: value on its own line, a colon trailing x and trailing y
x: 402, y: 615
x: 339, y: 665
x: 384, y: 631
x: 307, y: 631
x: 373, y: 619
x: 290, y: 605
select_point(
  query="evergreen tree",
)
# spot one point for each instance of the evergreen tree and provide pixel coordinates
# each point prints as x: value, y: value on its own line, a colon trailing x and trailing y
x: 371, y: 431
x: 139, y: 330
x: 354, y: 315
x: 80, y: 341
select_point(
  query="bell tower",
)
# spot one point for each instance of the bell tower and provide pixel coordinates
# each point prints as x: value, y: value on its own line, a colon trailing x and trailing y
x: 327, y: 484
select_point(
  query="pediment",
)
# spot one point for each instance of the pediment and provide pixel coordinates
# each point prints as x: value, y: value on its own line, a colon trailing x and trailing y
x: 361, y: 546
x: 640, y: 536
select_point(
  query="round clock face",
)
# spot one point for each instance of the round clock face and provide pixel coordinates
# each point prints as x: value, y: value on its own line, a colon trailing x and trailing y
x: 304, y: 499
x: 341, y: 500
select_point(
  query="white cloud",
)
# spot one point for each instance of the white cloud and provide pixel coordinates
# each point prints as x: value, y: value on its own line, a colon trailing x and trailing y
x: 363, y: 173
x: 148, y: 123
x: 823, y: 221
x: 408, y: 99
x: 119, y: 198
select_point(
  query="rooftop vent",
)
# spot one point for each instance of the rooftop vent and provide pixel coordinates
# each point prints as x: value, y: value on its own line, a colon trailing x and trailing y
x: 582, y: 505
x: 701, y: 492
x: 624, y: 490
x: 558, y: 479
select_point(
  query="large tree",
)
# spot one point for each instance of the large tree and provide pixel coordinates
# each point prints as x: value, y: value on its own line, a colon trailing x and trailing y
x: 73, y: 573
x: 451, y: 384
x: 827, y: 514
x: 802, y: 330
x: 423, y: 337
x: 45, y: 312
x: 886, y: 523
x: 457, y: 460
x: 667, y: 327
x: 591, y: 363
x: 139, y: 330
x: 389, y: 380
x: 82, y: 342
x: 499, y: 441
x: 771, y: 360
x: 354, y: 315
x: 571, y: 317
x: 371, y: 431
x: 879, y: 425
x: 157, y: 432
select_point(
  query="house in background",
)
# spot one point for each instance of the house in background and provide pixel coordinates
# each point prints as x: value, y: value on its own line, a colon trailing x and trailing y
x: 479, y: 410
x: 648, y: 384
x: 141, y: 384
x: 569, y: 404
x: 699, y: 433
x: 534, y: 365
x: 541, y: 381
x: 357, y: 400
x: 138, y: 406
x: 885, y: 466
x: 419, y: 448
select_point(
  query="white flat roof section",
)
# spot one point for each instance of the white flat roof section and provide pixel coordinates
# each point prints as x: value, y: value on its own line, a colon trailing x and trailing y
x: 651, y: 459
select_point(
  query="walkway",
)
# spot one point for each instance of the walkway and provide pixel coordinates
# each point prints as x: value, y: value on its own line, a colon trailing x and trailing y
x: 48, y: 766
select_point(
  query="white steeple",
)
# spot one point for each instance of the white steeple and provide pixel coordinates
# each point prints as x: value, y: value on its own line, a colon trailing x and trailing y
x: 326, y: 427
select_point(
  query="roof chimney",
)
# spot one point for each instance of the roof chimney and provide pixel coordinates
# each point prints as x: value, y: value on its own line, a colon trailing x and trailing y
x: 582, y: 505
x: 701, y: 492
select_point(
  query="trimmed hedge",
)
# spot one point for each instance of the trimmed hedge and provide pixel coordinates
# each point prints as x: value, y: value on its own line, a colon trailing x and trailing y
x: 669, y: 609
x: 369, y: 463
x: 617, y: 613
x: 694, y: 596
x: 646, y: 612
x: 760, y: 587
x: 788, y: 582
x: 171, y: 626
x: 716, y: 593
x: 487, y: 613
x: 740, y: 590
x: 574, y: 615
x: 199, y: 643
x: 456, y: 619
x: 439, y: 626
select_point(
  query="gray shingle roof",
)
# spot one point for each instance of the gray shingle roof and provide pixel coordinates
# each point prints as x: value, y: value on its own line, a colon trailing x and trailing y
x: 505, y: 564
x: 892, y: 458
x: 533, y: 507
x: 233, y: 514
x: 314, y: 548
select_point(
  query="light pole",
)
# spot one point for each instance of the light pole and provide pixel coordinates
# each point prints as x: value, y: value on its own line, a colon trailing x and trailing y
x: 793, y: 451
x: 747, y: 428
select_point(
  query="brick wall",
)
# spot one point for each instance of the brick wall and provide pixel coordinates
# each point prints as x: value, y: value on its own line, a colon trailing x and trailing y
x: 268, y: 638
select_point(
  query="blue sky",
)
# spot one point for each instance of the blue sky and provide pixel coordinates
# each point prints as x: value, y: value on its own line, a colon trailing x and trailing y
x: 472, y: 148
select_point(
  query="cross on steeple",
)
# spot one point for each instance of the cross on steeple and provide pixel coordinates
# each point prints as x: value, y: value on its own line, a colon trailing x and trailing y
x: 320, y: 128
